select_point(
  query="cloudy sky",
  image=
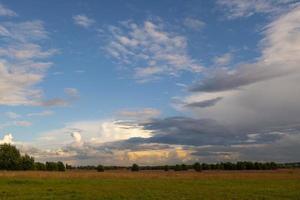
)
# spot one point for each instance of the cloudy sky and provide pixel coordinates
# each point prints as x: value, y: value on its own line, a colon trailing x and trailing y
x: 151, y: 82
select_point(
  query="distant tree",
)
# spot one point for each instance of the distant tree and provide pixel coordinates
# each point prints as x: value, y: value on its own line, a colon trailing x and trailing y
x: 69, y: 166
x: 166, y: 167
x: 184, y: 167
x: 197, y: 167
x: 10, y: 157
x: 39, y: 166
x: 177, y: 168
x: 100, y: 168
x: 51, y: 166
x: 205, y: 166
x: 60, y: 166
x: 135, y: 168
x: 27, y: 162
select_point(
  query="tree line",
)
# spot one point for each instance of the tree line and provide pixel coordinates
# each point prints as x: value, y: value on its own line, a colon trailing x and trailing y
x: 11, y: 159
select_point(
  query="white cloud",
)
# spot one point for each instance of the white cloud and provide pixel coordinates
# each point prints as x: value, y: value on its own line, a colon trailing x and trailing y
x: 12, y: 115
x: 41, y: 114
x: 150, y: 50
x: 245, y: 8
x: 77, y: 137
x: 193, y: 23
x: 21, y: 62
x: 96, y: 131
x: 8, y: 139
x: 224, y: 59
x: 264, y: 93
x: 83, y: 20
x: 4, y: 11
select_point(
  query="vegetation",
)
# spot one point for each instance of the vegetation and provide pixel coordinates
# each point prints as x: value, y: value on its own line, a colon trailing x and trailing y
x: 154, y: 185
x: 135, y: 168
x: 100, y: 168
x: 11, y: 159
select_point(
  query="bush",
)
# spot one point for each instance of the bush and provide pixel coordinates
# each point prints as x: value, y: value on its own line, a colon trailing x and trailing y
x: 100, y: 168
x: 135, y: 168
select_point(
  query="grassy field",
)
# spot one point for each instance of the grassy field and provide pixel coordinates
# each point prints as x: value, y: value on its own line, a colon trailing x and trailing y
x: 150, y: 185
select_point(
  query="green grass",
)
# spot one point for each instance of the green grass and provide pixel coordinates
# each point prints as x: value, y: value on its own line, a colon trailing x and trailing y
x: 149, y: 188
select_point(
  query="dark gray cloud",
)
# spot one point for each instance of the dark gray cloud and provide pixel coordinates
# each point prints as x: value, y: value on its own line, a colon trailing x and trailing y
x: 205, y: 103
x: 222, y: 79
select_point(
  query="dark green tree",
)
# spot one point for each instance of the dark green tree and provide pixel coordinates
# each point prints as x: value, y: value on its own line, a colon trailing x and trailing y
x: 51, y: 166
x: 10, y: 157
x: 135, y: 168
x: 39, y: 166
x: 166, y: 167
x: 60, y: 166
x: 177, y: 168
x: 100, y: 168
x: 27, y: 162
x: 197, y: 167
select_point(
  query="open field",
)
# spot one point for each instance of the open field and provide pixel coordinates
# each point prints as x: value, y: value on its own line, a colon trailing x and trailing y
x: 150, y: 185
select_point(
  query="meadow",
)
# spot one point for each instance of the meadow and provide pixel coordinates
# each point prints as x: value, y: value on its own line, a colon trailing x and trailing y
x: 150, y: 185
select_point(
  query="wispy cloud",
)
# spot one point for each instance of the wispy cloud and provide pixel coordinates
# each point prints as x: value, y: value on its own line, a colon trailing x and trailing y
x: 4, y: 11
x: 245, y: 8
x: 23, y: 123
x: 22, y: 64
x: 41, y: 114
x: 224, y: 59
x: 83, y: 21
x: 12, y: 115
x: 150, y: 51
x: 139, y: 114
x: 72, y: 92
x: 193, y: 23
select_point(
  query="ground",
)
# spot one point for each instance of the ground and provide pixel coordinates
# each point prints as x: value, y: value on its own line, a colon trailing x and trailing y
x: 150, y: 185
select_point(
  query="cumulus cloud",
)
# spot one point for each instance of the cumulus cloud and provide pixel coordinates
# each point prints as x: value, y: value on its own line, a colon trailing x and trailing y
x: 149, y: 50
x: 8, y: 139
x: 280, y: 57
x: 83, y: 21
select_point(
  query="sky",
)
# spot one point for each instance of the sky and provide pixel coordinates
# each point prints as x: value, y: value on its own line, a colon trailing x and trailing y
x: 151, y: 82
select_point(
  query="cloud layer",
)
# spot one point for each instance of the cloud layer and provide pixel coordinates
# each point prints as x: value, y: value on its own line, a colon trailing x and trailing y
x: 149, y: 50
